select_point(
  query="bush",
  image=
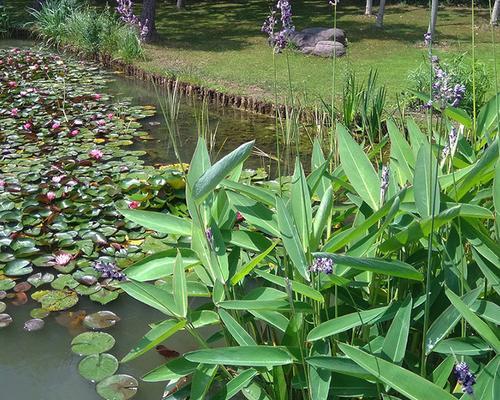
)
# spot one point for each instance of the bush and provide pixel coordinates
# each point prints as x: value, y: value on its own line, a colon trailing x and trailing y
x: 4, y: 23
x: 459, y: 68
x: 87, y: 29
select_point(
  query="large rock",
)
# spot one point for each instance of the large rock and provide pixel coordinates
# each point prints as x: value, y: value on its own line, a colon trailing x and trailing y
x: 310, y: 37
x: 326, y: 48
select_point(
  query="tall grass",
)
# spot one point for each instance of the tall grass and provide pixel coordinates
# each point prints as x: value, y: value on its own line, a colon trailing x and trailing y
x: 92, y: 31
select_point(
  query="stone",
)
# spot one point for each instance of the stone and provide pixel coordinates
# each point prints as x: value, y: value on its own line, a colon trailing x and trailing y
x: 309, y: 37
x: 327, y: 48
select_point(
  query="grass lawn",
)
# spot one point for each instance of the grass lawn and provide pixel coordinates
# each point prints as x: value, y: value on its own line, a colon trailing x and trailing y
x: 219, y: 44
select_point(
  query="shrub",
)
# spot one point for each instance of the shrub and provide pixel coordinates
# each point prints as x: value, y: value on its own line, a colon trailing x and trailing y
x: 459, y: 68
x: 51, y: 19
x: 4, y: 22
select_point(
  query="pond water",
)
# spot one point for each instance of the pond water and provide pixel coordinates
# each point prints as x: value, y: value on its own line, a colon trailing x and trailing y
x: 40, y: 365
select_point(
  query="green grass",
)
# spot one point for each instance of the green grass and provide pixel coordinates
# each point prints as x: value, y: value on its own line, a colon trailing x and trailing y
x: 219, y: 44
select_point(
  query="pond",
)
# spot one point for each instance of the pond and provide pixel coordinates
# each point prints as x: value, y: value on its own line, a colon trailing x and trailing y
x: 40, y: 365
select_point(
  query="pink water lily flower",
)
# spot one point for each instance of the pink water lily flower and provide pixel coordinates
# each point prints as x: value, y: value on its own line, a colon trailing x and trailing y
x: 97, y: 96
x: 28, y: 126
x: 2, y: 183
x: 74, y: 132
x: 56, y: 125
x: 23, y: 93
x: 57, y: 179
x: 133, y: 204
x: 101, y: 122
x: 111, y: 115
x: 51, y: 196
x: 62, y: 259
x: 12, y: 84
x: 14, y: 112
x: 96, y: 154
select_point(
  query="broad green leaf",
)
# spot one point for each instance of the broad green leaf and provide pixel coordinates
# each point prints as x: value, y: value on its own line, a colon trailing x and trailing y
x: 446, y: 321
x: 488, y: 117
x: 217, y: 172
x: 202, y: 380
x: 150, y: 295
x: 459, y: 115
x: 344, y: 323
x: 401, y: 152
x: 478, y: 172
x: 377, y: 265
x: 155, y: 336
x: 403, y: 381
x: 300, y: 201
x: 468, y: 346
x: 179, y: 285
x: 442, y: 372
x: 248, y: 267
x: 417, y: 138
x: 341, y: 365
x: 396, y: 339
x: 296, y: 286
x: 321, y: 218
x: 358, y: 168
x: 426, y: 187
x: 159, y: 221
x: 319, y: 377
x: 248, y: 240
x: 199, y: 164
x: 475, y: 322
x: 481, y: 241
x: 291, y: 239
x: 317, y: 161
x: 274, y: 318
x: 258, y: 194
x: 235, y: 385
x: 487, y: 310
x: 489, y: 270
x: 172, y: 370
x: 496, y: 196
x: 159, y: 265
x: 245, y: 356
x: 239, y: 334
x: 265, y: 305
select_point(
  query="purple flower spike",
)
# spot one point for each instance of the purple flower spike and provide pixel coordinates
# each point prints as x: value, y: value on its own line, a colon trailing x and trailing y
x: 465, y: 377
x: 322, y: 264
x: 384, y: 182
x: 279, y: 40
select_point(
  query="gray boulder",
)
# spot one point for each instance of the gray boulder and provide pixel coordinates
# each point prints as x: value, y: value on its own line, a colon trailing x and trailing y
x: 309, y: 37
x: 326, y: 48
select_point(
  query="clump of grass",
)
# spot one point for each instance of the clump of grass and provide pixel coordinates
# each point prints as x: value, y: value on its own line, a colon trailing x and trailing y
x: 67, y: 22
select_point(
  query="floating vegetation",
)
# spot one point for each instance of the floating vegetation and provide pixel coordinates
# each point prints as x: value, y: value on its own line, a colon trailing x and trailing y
x: 117, y: 387
x: 96, y: 367
x: 65, y: 166
x: 101, y: 320
x: 88, y: 343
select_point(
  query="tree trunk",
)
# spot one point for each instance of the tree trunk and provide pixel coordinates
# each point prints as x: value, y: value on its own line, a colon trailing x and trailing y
x: 380, y: 14
x: 495, y: 12
x: 368, y: 8
x: 181, y: 4
x: 148, y: 16
x: 434, y: 15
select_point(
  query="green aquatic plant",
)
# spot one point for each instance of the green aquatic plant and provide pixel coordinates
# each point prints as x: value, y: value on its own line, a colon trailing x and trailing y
x: 323, y: 287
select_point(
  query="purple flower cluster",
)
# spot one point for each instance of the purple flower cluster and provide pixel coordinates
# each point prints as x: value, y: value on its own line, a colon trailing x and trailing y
x: 451, y: 145
x: 384, y: 182
x: 279, y: 40
x: 210, y: 236
x: 427, y: 38
x: 465, y: 377
x: 109, y: 270
x: 444, y: 93
x: 322, y: 264
x: 124, y: 8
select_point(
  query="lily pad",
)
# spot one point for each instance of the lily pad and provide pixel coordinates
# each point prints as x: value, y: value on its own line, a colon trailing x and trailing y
x: 40, y: 279
x: 5, y: 320
x: 39, y: 313
x: 117, y: 387
x: 101, y: 320
x: 96, y: 367
x: 7, y: 284
x: 104, y: 296
x: 3, y: 306
x: 18, y: 268
x: 88, y: 343
x: 34, y: 324
x: 56, y: 300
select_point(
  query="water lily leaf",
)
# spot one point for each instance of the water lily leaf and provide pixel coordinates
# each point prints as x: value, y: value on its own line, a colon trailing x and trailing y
x: 96, y: 367
x: 117, y: 387
x: 56, y: 300
x: 101, y: 320
x: 63, y: 281
x: 3, y: 306
x: 88, y: 343
x: 104, y: 296
x: 18, y: 268
x: 39, y: 279
x: 7, y: 284
x: 5, y: 320
x: 34, y: 324
x: 39, y: 313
